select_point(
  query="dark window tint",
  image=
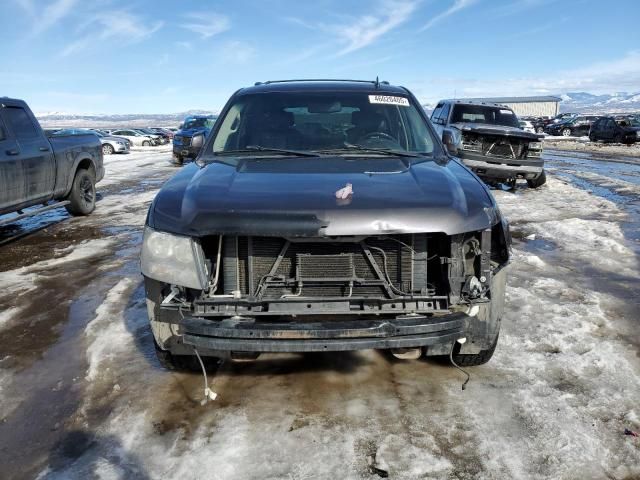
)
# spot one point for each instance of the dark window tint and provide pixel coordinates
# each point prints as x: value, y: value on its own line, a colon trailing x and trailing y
x: 3, y: 131
x: 20, y: 123
x: 435, y: 115
x: 444, y: 114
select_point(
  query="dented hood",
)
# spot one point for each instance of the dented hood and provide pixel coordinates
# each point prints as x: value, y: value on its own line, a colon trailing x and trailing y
x: 297, y: 197
x: 488, y: 129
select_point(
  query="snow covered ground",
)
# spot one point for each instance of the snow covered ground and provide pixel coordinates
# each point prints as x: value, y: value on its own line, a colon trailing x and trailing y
x: 82, y: 395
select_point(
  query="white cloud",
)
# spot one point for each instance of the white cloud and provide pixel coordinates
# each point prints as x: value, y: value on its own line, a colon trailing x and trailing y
x: 456, y: 7
x: 44, y: 17
x: 366, y: 29
x: 207, y: 24
x: 128, y: 28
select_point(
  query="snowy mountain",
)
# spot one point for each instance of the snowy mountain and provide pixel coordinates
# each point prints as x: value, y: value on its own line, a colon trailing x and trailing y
x: 62, y: 119
x: 606, y: 103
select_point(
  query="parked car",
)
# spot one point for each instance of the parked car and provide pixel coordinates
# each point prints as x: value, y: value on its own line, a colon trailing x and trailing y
x: 110, y: 144
x: 163, y: 131
x: 527, y: 126
x: 136, y: 138
x: 324, y: 216
x: 490, y: 141
x: 104, y: 134
x: 578, y: 126
x: 60, y: 170
x: 159, y: 139
x: 541, y: 122
x: 608, y: 129
x: 190, y: 138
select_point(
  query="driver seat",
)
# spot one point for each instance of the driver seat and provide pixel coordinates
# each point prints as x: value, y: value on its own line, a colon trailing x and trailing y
x: 365, y: 122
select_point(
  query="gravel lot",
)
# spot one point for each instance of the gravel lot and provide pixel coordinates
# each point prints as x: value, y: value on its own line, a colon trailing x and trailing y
x: 82, y: 395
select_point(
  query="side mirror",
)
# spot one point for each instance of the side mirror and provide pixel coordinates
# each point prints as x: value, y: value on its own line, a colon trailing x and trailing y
x: 197, y: 141
x: 181, y: 126
x: 449, y: 141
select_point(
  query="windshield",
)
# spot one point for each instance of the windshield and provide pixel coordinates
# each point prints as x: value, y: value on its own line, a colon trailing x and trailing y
x: 484, y: 114
x: 198, y: 123
x: 323, y: 121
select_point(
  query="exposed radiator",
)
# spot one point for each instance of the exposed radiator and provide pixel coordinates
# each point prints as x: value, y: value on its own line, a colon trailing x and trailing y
x: 271, y: 268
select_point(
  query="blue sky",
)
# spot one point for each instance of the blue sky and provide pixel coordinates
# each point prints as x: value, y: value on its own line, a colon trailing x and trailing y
x: 143, y: 56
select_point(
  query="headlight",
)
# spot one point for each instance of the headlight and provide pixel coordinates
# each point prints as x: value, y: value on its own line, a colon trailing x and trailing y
x: 173, y: 259
x: 120, y: 143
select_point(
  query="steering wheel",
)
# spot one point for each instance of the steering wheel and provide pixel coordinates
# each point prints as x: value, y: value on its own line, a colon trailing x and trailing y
x: 378, y: 135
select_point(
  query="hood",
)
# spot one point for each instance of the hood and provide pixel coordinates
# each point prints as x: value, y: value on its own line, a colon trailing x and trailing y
x: 190, y: 132
x: 297, y: 197
x: 489, y: 129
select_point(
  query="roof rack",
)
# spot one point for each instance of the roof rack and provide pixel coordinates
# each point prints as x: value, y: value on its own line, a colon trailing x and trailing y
x: 376, y: 82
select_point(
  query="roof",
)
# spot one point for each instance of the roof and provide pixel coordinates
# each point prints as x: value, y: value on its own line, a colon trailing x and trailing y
x: 503, y: 100
x: 319, y: 85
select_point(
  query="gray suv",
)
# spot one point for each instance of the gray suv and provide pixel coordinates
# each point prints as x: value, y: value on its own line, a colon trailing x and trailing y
x: 490, y: 141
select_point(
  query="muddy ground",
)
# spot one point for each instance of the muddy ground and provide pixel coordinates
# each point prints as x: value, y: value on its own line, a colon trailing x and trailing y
x: 83, y: 396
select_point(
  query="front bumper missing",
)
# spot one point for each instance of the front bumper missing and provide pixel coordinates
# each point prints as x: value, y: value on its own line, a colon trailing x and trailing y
x: 250, y: 336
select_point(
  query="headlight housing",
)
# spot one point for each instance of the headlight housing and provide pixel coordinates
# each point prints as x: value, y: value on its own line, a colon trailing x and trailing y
x: 173, y: 259
x: 534, y: 149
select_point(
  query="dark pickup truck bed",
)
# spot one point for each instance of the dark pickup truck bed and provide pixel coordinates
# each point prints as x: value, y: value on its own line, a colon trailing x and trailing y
x: 36, y: 170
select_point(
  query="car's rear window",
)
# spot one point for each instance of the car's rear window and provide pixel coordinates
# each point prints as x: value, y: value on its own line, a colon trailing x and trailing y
x: 484, y: 114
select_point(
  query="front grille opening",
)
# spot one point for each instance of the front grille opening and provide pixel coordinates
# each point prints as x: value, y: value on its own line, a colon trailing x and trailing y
x: 385, y: 267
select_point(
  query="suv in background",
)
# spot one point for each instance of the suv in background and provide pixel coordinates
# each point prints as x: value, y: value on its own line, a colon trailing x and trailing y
x: 608, y: 129
x: 490, y: 141
x: 577, y: 126
x: 189, y: 139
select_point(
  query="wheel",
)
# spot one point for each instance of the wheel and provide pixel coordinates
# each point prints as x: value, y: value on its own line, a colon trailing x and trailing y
x: 179, y: 160
x: 538, y: 182
x: 146, y: 143
x: 107, y: 149
x: 617, y: 138
x: 592, y: 138
x: 539, y: 130
x: 474, y: 359
x: 566, y: 132
x: 83, y: 193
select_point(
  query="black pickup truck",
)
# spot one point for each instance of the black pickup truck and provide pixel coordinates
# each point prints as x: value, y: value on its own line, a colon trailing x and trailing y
x: 47, y: 171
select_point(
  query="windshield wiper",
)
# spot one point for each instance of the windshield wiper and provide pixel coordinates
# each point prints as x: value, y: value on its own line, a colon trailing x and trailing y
x: 258, y: 148
x: 384, y: 151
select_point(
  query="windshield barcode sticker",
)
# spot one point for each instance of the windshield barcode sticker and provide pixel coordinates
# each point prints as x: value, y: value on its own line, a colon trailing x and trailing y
x: 389, y: 100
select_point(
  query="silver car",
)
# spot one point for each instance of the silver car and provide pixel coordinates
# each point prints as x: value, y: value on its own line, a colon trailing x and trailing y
x: 112, y: 144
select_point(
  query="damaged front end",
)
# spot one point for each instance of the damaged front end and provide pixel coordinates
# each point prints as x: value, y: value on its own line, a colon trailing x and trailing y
x: 297, y: 294
x: 501, y: 155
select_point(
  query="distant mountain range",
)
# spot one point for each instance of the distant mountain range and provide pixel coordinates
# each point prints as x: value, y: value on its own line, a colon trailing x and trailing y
x: 571, y: 102
x: 62, y: 119
x: 583, y: 102
x: 620, y: 102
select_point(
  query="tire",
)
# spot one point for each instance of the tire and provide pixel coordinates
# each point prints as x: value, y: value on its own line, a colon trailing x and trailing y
x: 539, y: 130
x: 566, y: 132
x: 592, y: 138
x: 179, y: 161
x: 538, y: 182
x: 617, y: 138
x: 107, y: 149
x: 83, y: 193
x: 146, y: 144
x: 475, y: 359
